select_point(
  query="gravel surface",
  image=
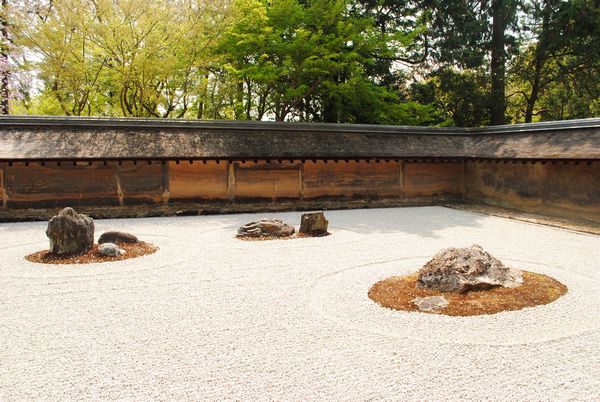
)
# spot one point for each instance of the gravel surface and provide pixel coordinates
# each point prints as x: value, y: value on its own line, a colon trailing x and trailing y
x: 211, y: 317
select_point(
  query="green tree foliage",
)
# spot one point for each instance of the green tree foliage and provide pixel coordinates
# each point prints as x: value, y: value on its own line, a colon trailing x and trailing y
x: 309, y: 61
x: 416, y: 62
x: 119, y: 58
x: 557, y: 74
x: 460, y: 97
x: 476, y: 36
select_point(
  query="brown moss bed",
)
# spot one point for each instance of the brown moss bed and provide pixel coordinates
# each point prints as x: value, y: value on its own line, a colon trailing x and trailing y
x: 132, y: 250
x: 294, y: 236
x: 398, y: 292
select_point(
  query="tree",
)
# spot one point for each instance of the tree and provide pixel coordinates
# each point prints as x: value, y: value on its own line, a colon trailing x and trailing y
x: 474, y: 34
x: 461, y: 98
x: 117, y: 58
x: 4, y: 63
x: 310, y: 61
x: 563, y: 55
x: 419, y: 62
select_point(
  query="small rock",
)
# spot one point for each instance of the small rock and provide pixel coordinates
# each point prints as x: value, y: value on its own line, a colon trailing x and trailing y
x: 430, y: 303
x: 117, y: 237
x: 314, y: 223
x: 463, y: 269
x: 188, y: 212
x: 110, y: 249
x: 70, y: 232
x: 266, y: 227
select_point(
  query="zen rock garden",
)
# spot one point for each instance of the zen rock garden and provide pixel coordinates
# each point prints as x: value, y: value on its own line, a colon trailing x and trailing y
x: 312, y: 224
x: 71, y: 241
x: 466, y: 281
x: 383, y: 303
x: 456, y: 281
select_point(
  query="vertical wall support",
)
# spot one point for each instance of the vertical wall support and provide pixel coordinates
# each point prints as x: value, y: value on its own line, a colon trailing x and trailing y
x: 231, y: 181
x: 463, y: 180
x: 539, y: 172
x: 120, y: 195
x: 301, y: 180
x: 402, y: 179
x: 3, y: 192
x: 166, y: 189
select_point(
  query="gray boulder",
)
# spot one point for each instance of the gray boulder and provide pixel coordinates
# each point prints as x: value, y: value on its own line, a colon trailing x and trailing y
x: 70, y: 232
x: 314, y: 223
x: 117, y: 237
x: 266, y: 228
x: 110, y: 249
x: 463, y: 269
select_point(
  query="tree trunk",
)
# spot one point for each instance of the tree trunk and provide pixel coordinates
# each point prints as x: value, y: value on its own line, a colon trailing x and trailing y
x: 498, y: 64
x: 203, y: 96
x: 330, y: 112
x: 535, y: 85
x: 248, y: 107
x: 4, y: 73
x: 238, y: 108
x: 540, y: 59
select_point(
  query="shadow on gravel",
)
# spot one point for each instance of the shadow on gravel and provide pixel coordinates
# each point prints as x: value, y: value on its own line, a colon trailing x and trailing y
x: 419, y: 221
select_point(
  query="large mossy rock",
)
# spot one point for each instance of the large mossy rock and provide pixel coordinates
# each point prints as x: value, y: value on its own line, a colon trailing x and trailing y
x: 266, y: 228
x: 463, y: 269
x: 313, y: 224
x: 70, y: 232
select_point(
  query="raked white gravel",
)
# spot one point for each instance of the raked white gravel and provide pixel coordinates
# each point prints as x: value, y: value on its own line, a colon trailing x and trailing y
x: 210, y: 317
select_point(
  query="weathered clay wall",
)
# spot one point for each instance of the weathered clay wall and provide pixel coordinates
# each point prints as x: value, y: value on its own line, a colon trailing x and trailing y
x: 264, y: 180
x: 353, y: 179
x: 569, y: 189
x: 548, y: 168
x: 196, y: 181
x: 54, y: 184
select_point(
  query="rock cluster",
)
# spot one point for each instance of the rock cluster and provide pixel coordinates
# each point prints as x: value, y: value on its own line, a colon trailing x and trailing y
x: 314, y: 224
x: 311, y: 224
x: 266, y: 228
x: 463, y: 269
x: 70, y: 232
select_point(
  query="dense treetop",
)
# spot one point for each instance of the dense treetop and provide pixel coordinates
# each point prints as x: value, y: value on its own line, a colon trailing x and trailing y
x: 413, y: 62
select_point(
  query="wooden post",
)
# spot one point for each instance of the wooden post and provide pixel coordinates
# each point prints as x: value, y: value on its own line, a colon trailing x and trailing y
x: 166, y: 193
x: 402, y: 179
x: 301, y: 180
x: 231, y: 181
x: 3, y: 192
x: 120, y: 194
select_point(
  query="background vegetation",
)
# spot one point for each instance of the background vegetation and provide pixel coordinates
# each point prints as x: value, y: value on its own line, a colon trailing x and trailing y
x: 415, y: 62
